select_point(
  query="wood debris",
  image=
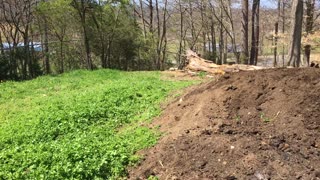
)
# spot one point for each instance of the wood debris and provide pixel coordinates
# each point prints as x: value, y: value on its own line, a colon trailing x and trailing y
x: 196, y: 64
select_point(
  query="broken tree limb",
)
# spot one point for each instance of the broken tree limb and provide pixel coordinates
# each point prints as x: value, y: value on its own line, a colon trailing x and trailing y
x: 196, y: 63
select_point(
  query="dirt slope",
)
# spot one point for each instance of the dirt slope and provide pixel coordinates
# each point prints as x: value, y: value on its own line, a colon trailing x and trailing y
x: 248, y: 125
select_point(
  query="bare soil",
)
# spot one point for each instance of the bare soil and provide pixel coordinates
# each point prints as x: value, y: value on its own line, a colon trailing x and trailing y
x: 249, y: 125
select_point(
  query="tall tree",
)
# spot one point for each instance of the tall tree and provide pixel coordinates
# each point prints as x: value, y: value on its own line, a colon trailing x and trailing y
x: 245, y: 32
x: 16, y: 25
x: 295, y: 33
x: 158, y: 57
x: 82, y: 8
x: 226, y: 6
x: 204, y: 23
x: 308, y: 28
x: 182, y: 33
x: 283, y: 15
x: 163, y: 39
x: 150, y: 15
x: 143, y: 19
x: 222, y: 41
x: 255, y: 32
x: 213, y: 40
x: 275, y: 38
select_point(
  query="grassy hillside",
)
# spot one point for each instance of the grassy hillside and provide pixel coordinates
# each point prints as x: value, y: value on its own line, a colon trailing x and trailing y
x: 80, y: 125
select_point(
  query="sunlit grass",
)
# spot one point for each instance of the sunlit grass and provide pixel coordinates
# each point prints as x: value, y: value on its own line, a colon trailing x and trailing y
x: 80, y: 125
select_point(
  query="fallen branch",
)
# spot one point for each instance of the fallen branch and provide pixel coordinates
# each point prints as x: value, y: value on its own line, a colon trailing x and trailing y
x: 196, y: 63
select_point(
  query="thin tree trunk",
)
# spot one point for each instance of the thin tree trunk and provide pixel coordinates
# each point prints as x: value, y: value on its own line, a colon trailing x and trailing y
x: 213, y: 43
x: 1, y: 44
x: 225, y: 50
x: 151, y: 16
x: 245, y: 32
x: 143, y: 20
x: 27, y: 63
x: 163, y: 40
x: 257, y: 32
x: 46, y: 47
x: 309, y: 27
x: 276, y: 30
x: 61, y: 57
x: 158, y: 61
x: 283, y: 30
x: 221, y: 40
x: 81, y: 9
x: 275, y: 50
x: 193, y: 31
x: 87, y: 47
x: 181, y: 36
x: 203, y: 16
x: 232, y: 33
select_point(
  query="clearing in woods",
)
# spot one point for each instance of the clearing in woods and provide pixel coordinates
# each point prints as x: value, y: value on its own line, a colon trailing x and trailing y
x: 247, y: 125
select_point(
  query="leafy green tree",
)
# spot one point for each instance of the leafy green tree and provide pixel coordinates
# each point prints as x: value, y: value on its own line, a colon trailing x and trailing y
x: 60, y: 17
x: 115, y: 36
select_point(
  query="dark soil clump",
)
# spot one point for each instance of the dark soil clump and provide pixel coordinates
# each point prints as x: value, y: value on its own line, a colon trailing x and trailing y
x: 249, y: 125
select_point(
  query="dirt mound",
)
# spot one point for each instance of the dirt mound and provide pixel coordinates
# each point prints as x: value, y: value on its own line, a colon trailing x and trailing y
x: 248, y: 125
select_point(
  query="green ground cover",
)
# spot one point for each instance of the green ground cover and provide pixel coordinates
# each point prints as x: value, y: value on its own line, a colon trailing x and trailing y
x: 79, y: 125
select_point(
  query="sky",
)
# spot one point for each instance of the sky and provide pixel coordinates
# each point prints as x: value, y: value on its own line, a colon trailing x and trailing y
x: 263, y: 3
x: 268, y: 3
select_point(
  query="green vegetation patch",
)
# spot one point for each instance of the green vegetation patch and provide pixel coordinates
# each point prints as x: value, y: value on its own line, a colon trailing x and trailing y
x: 79, y: 125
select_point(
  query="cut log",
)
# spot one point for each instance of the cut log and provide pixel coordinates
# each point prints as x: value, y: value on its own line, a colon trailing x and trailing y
x: 196, y: 63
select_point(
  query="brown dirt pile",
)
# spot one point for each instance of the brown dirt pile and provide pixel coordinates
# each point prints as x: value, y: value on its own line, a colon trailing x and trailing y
x: 248, y: 125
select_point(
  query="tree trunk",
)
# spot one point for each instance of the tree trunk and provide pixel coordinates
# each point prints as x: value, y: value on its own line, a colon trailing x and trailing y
x: 221, y: 40
x: 151, y: 16
x: 82, y: 10
x: 158, y: 58
x: 1, y: 45
x: 309, y: 27
x: 255, y: 32
x: 204, y: 24
x: 295, y: 34
x: 245, y: 32
x: 180, y: 63
x: 61, y: 57
x: 283, y: 29
x: 194, y: 35
x: 163, y: 39
x: 87, y: 47
x: 225, y: 50
x: 226, y: 7
x: 276, y: 30
x: 27, y: 64
x: 213, y: 43
x: 143, y: 20
x: 46, y: 47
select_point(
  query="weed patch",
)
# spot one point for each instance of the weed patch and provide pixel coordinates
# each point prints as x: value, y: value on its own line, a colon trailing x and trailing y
x: 79, y: 125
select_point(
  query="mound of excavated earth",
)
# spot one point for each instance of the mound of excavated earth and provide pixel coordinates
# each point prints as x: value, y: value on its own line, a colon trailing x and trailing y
x: 248, y: 125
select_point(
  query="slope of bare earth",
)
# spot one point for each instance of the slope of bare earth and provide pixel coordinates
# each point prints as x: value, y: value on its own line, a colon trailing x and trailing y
x: 249, y: 125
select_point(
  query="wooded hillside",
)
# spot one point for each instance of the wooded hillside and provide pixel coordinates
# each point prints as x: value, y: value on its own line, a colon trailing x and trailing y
x: 56, y: 36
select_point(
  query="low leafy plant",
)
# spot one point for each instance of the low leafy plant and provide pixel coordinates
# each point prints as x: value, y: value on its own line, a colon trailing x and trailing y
x: 153, y: 178
x: 237, y: 118
x: 264, y: 118
x: 78, y: 125
x: 202, y: 74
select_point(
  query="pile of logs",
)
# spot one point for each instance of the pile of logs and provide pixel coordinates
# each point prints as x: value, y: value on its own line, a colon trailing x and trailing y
x: 196, y: 64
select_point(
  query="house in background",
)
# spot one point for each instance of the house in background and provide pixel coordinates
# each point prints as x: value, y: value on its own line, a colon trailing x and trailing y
x: 36, y: 46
